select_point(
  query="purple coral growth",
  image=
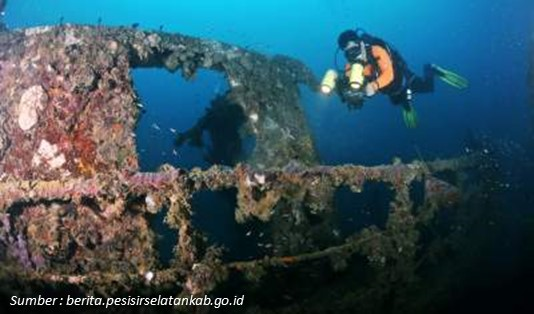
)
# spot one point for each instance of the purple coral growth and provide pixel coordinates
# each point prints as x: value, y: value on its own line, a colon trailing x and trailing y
x: 5, y: 229
x: 18, y: 248
x: 5, y: 222
x: 20, y: 251
x: 38, y: 261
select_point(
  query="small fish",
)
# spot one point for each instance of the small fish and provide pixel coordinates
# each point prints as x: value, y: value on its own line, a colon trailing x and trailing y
x: 160, y: 28
x: 174, y: 152
x: 249, y: 233
x: 140, y: 105
x: 156, y: 127
x: 135, y: 25
x: 173, y: 131
x: 261, y: 234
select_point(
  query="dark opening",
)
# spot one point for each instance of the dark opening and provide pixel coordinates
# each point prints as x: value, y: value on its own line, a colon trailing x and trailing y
x: 357, y: 211
x: 165, y: 238
x: 417, y: 194
x: 214, y: 216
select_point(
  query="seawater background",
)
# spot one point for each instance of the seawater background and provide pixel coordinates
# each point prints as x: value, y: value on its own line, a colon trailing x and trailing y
x: 486, y: 41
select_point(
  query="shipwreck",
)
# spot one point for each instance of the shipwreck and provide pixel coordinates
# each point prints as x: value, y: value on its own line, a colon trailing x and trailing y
x: 75, y: 210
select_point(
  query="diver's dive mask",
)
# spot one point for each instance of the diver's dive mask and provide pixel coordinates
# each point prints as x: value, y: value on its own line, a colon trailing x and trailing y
x: 355, y: 52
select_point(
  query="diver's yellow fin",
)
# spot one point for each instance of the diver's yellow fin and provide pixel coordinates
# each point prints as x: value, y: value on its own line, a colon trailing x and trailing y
x: 451, y: 78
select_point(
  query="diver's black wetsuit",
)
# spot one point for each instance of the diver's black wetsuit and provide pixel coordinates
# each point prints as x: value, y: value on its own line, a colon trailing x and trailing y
x: 407, y: 80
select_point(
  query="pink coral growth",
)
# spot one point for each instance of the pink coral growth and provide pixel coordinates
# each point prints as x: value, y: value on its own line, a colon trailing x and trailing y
x: 441, y: 191
x: 154, y: 180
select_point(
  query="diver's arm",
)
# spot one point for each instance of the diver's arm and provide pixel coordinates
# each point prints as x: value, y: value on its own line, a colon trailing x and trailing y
x: 385, y: 65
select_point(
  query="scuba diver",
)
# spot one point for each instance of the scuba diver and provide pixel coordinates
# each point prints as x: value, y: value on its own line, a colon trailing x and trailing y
x: 374, y: 66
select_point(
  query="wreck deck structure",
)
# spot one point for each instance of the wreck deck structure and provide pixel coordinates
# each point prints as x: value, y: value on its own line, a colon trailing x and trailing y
x: 75, y: 210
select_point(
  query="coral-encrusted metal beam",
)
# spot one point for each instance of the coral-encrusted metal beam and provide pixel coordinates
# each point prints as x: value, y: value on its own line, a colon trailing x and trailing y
x: 217, y: 178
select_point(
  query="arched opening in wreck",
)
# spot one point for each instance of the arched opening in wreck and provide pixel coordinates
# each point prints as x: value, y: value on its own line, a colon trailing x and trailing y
x: 370, y: 207
x: 193, y: 123
x: 187, y: 123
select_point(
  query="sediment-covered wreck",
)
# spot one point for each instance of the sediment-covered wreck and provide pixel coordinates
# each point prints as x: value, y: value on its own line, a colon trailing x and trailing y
x: 75, y: 210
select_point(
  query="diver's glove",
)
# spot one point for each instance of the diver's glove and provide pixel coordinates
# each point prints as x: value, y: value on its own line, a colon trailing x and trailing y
x: 410, y: 116
x: 370, y: 89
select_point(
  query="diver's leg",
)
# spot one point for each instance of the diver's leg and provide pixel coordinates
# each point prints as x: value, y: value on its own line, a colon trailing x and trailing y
x: 398, y: 98
x: 404, y: 100
x: 423, y: 84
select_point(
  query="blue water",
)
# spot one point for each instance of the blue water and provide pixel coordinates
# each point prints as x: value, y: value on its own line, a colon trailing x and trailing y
x: 486, y: 41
